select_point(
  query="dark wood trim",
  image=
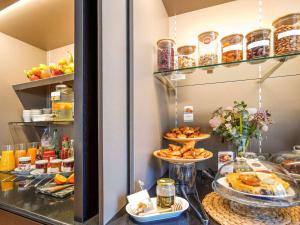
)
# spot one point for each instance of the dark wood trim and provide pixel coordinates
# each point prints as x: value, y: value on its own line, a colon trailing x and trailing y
x: 86, y: 110
x: 100, y: 113
x: 130, y: 95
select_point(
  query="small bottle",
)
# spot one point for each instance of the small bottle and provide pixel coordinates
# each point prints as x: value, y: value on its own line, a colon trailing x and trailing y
x: 65, y: 148
x: 55, y: 143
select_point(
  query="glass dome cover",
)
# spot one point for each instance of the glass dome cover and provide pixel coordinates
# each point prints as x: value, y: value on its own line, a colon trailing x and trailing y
x: 257, y: 183
x: 290, y: 160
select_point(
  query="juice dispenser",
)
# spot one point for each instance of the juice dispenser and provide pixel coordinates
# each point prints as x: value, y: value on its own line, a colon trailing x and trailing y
x: 62, y: 103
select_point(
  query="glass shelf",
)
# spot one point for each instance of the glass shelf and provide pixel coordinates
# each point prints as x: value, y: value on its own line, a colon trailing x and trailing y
x: 245, y: 70
x: 41, y: 123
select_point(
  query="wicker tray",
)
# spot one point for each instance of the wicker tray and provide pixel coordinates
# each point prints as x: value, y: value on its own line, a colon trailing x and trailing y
x: 222, y: 211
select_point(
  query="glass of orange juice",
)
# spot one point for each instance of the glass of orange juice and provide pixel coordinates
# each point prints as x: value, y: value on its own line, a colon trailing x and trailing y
x: 7, y: 162
x: 32, y: 151
x: 20, y: 151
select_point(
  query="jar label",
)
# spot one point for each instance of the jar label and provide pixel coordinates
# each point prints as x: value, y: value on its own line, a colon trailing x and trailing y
x: 55, y: 96
x: 288, y: 33
x: 259, y: 43
x: 66, y: 169
x: 54, y: 170
x: 233, y: 48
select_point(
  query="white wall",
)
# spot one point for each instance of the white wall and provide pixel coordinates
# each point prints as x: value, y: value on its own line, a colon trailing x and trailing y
x: 279, y: 95
x: 16, y: 56
x: 151, y: 103
x: 114, y: 110
x: 59, y: 53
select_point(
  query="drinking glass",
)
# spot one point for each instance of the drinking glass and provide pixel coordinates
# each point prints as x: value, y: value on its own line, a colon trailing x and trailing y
x: 32, y: 151
x: 20, y: 151
x: 7, y: 162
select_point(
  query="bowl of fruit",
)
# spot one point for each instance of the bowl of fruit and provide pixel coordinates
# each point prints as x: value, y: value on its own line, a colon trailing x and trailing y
x: 63, y: 66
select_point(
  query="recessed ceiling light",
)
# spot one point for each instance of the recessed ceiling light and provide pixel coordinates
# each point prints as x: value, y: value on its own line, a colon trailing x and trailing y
x: 13, y: 6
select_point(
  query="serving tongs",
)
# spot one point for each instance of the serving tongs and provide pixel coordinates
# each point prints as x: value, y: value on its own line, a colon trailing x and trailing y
x: 201, y: 215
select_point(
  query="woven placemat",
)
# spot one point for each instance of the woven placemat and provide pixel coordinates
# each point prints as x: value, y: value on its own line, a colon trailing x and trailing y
x: 221, y: 211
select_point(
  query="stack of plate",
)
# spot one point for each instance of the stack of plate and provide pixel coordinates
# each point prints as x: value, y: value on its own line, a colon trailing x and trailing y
x: 35, y: 114
x: 27, y: 115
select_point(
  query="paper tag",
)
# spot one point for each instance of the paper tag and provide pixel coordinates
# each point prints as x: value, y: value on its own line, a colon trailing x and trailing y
x: 233, y: 48
x: 256, y: 165
x: 188, y: 114
x: 55, y: 96
x: 288, y: 33
x: 259, y: 43
x: 225, y: 157
x: 178, y: 76
x: 138, y: 196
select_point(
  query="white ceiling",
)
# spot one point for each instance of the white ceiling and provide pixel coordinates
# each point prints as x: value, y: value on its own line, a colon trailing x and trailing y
x: 46, y: 24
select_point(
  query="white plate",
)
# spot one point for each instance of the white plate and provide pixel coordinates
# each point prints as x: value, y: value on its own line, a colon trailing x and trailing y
x: 159, y: 216
x: 290, y: 192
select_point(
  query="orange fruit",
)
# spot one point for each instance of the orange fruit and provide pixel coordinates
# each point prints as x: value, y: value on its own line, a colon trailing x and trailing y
x: 60, y: 179
x: 70, y: 179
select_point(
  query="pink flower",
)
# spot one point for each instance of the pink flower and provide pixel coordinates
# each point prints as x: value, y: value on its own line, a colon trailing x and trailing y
x: 265, y: 128
x: 215, y: 122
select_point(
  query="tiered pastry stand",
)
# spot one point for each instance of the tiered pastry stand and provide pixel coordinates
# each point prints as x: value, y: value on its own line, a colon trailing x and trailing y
x: 183, y: 171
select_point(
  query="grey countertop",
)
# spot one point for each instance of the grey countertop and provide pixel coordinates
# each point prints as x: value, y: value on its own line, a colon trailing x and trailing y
x: 188, y: 218
x: 35, y: 206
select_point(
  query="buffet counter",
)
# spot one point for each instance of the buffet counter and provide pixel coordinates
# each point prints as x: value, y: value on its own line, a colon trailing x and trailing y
x: 188, y: 218
x: 37, y: 207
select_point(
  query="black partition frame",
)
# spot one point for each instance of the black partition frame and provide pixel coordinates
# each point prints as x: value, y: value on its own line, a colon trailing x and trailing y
x: 86, y: 79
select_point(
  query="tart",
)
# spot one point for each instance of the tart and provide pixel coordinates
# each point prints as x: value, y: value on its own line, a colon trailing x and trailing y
x: 259, y: 183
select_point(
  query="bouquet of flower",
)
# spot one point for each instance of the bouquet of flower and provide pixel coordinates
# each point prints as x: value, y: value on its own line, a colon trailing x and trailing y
x: 239, y: 124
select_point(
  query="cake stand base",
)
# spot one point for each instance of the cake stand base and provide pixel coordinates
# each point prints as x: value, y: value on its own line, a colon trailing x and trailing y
x: 184, y: 175
x: 254, y: 212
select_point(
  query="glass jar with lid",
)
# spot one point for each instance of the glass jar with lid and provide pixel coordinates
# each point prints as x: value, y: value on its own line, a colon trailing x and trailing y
x: 165, y: 54
x: 186, y: 56
x: 287, y: 34
x: 208, y: 48
x: 232, y: 48
x: 258, y: 43
x: 165, y: 191
x: 62, y: 103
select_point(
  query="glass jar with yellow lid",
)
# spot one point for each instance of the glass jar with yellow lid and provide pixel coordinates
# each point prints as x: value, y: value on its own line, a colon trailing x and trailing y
x: 165, y: 191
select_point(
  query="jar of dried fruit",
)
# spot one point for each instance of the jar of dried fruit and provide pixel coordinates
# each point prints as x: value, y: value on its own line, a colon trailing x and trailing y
x: 232, y: 48
x: 287, y: 34
x: 186, y: 56
x: 165, y: 54
x: 258, y: 43
x: 208, y: 48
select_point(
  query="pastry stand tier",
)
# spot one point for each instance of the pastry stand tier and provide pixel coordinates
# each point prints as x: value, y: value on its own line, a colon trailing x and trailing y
x: 271, y: 187
x: 183, y: 171
x: 185, y: 140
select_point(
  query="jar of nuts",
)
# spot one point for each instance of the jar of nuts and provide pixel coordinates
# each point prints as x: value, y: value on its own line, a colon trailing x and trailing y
x: 165, y: 54
x: 186, y: 56
x: 232, y: 48
x: 208, y: 48
x: 287, y: 34
x: 258, y: 44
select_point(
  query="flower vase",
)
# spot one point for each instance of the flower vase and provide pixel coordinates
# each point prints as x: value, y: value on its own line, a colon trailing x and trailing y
x: 243, y: 145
